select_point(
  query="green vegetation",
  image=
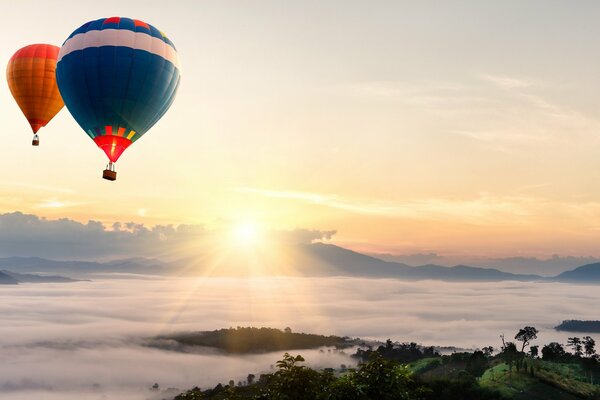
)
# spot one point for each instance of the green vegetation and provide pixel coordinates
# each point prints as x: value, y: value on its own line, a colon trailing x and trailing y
x: 520, y: 386
x: 541, y: 380
x: 407, y: 371
x: 426, y: 364
x: 257, y: 340
x: 379, y: 379
x: 401, y: 352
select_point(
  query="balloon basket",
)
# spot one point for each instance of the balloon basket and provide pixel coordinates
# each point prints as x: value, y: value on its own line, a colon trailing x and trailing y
x: 109, y: 175
x: 35, y: 142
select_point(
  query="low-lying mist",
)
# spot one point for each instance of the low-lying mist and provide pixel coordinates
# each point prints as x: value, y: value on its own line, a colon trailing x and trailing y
x: 85, y: 340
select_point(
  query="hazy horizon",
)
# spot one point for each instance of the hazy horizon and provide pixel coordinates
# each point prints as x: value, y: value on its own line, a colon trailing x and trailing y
x: 27, y: 235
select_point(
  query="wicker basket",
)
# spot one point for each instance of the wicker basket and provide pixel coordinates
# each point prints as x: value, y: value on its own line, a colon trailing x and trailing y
x: 109, y: 175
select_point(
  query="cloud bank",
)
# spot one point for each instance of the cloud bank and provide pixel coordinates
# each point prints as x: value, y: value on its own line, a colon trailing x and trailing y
x: 31, y: 235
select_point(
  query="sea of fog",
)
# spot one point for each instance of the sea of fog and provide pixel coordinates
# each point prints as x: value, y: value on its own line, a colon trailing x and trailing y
x: 83, y: 340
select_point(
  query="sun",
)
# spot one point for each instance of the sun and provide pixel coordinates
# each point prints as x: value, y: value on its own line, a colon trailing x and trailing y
x: 246, y: 234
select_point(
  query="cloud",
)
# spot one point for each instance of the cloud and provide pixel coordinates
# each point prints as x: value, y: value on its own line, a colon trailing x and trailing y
x: 507, y: 81
x: 485, y: 209
x: 83, y: 340
x: 503, y: 113
x: 329, y: 200
x: 31, y: 235
x: 479, y: 210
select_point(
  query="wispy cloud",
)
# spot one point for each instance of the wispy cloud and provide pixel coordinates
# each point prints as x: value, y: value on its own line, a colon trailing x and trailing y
x: 329, y: 200
x: 507, y: 81
x: 504, y: 113
x: 37, y: 187
x: 478, y: 208
x: 56, y: 203
x: 485, y: 209
x: 555, y: 121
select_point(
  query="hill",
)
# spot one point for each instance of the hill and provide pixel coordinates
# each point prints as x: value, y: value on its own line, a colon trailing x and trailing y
x: 7, y: 279
x: 346, y: 262
x: 585, y: 273
x: 34, y: 278
x: 81, y: 269
x: 579, y: 326
x: 249, y: 340
x: 549, y: 381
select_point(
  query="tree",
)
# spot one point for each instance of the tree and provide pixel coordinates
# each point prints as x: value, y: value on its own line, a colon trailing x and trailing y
x: 510, y: 355
x: 553, y: 351
x: 379, y: 379
x: 296, y: 382
x: 287, y: 329
x: 193, y: 394
x: 250, y: 379
x: 576, y: 344
x: 526, y: 335
x: 488, y: 351
x: 590, y: 366
x: 589, y: 346
x: 534, y: 351
x: 477, y: 364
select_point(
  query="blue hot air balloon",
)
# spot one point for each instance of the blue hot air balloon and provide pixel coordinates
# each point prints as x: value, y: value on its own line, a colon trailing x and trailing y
x: 117, y: 77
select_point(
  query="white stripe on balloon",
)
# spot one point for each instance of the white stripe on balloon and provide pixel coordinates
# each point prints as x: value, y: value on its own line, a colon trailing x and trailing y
x: 122, y: 38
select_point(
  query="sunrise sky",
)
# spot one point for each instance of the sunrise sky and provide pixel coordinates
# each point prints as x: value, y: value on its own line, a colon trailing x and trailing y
x: 407, y: 127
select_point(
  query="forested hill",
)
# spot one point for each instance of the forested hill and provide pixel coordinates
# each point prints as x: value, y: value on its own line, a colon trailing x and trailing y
x: 579, y: 326
x: 242, y: 340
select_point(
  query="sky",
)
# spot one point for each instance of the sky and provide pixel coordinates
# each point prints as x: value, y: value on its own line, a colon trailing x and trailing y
x: 458, y: 128
x: 85, y: 340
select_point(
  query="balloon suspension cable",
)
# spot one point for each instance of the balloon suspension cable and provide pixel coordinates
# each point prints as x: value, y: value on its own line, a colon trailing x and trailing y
x: 36, y: 140
x: 110, y: 173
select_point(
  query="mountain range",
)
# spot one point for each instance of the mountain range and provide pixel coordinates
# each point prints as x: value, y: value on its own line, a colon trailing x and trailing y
x: 14, y: 278
x: 6, y: 279
x: 316, y: 259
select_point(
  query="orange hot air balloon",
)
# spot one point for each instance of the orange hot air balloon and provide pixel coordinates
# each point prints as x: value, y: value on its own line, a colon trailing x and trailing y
x: 31, y: 76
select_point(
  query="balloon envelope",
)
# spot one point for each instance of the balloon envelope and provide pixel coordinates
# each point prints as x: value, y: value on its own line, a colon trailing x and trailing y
x: 117, y: 76
x: 31, y: 76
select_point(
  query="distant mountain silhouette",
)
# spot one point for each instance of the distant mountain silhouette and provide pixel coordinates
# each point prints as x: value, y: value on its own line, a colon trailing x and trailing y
x: 351, y: 263
x: 316, y: 259
x: 80, y: 269
x: 467, y: 273
x: 328, y: 259
x: 585, y: 273
x: 7, y: 279
x: 33, y: 278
